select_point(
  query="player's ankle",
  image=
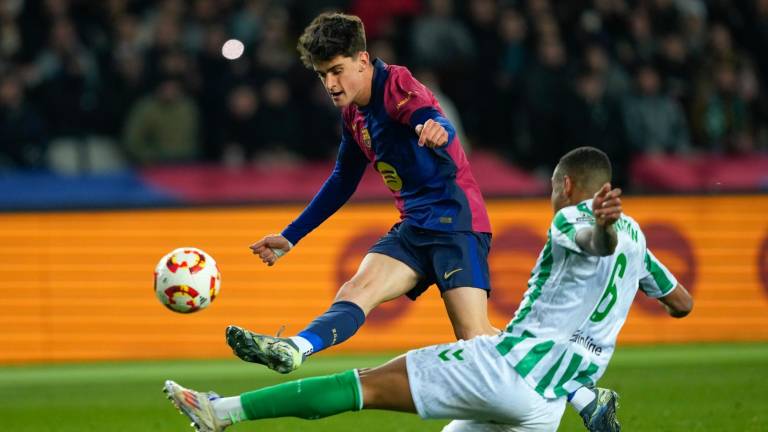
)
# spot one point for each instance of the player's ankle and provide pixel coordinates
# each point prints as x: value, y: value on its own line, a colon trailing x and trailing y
x: 304, y: 346
x: 581, y: 398
x: 229, y: 409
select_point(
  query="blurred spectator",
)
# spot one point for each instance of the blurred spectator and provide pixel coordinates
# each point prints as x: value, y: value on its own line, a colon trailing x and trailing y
x: 513, y: 51
x: 91, y: 69
x: 22, y: 138
x: 591, y: 118
x: 247, y: 23
x: 68, y: 78
x: 665, y: 17
x: 280, y: 141
x: 676, y: 67
x: 126, y: 84
x: 320, y: 125
x: 379, y: 15
x: 545, y: 89
x: 10, y: 33
x: 243, y: 126
x: 439, y: 39
x: 694, y: 25
x: 722, y: 116
x: 759, y: 38
x: 610, y: 73
x: 655, y: 123
x: 642, y: 45
x: 215, y: 83
x: 163, y: 127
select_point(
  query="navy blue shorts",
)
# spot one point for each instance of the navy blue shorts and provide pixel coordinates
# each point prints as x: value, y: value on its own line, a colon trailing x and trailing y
x: 448, y: 259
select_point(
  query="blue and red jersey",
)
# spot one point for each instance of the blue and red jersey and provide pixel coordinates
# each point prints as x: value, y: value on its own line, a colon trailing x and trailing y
x: 433, y: 188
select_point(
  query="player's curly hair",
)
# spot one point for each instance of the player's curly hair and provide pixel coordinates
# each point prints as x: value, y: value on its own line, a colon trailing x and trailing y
x: 329, y: 35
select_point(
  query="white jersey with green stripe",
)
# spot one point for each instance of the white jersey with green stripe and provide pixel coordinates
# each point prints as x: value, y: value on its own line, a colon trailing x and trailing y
x: 564, y: 332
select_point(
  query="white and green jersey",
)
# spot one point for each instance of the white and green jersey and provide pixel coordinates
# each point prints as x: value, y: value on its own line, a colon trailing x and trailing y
x: 564, y: 332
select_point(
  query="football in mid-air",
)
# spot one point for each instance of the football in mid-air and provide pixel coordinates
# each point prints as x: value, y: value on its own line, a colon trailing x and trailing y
x: 187, y: 280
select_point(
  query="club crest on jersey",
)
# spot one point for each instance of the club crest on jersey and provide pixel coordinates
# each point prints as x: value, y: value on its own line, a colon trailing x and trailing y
x: 366, y: 137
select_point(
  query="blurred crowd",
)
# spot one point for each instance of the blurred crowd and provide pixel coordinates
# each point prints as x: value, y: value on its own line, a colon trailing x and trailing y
x: 99, y: 85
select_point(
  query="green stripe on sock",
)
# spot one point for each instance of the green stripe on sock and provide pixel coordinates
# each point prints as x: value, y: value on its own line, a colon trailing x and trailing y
x: 309, y: 398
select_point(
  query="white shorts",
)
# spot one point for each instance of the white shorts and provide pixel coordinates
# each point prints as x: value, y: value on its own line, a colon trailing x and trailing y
x: 470, y: 380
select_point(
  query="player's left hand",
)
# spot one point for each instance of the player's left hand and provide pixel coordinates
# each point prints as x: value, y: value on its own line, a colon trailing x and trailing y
x: 432, y: 134
x: 606, y: 205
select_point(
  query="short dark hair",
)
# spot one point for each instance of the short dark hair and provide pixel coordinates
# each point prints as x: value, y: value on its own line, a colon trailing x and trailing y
x: 329, y: 35
x: 587, y: 166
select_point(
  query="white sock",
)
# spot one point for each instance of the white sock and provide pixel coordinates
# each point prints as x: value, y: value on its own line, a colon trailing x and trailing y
x: 581, y: 398
x: 304, y: 346
x: 229, y: 408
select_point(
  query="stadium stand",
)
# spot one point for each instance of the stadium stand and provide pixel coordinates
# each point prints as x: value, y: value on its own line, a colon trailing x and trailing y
x: 94, y: 93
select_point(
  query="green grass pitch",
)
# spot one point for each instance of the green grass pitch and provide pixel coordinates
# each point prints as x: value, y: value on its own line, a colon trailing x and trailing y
x: 663, y: 388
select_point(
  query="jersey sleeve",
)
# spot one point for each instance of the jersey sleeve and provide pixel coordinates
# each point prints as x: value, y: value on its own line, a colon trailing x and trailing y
x: 655, y: 279
x: 410, y: 102
x: 337, y: 189
x: 567, y: 222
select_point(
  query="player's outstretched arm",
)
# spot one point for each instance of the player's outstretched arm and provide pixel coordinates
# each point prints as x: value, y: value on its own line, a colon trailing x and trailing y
x: 601, y: 239
x: 271, y: 248
x: 337, y: 189
x: 678, y: 302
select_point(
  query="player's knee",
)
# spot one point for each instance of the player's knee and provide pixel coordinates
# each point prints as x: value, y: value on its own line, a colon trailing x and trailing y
x: 350, y: 291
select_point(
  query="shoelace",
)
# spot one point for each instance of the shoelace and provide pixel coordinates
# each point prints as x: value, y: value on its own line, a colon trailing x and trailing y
x: 280, y: 330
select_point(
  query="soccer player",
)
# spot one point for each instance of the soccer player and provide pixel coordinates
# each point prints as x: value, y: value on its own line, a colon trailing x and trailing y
x: 391, y: 120
x: 560, y: 339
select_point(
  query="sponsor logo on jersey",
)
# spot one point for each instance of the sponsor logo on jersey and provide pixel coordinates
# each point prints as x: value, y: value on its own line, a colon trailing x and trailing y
x: 390, y: 176
x: 587, y: 342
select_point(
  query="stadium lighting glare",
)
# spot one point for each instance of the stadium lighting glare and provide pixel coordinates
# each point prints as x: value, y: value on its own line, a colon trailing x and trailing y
x: 232, y: 49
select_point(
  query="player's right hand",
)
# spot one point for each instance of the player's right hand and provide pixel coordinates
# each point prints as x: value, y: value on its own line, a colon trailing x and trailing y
x: 431, y: 134
x: 606, y: 205
x: 271, y: 248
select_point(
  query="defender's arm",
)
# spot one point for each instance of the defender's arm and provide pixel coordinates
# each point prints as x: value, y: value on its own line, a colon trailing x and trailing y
x: 678, y: 302
x: 601, y: 239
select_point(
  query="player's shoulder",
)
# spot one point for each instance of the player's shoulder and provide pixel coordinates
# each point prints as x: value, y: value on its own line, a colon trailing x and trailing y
x: 568, y: 221
x: 397, y: 72
x: 402, y: 90
x: 578, y: 214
